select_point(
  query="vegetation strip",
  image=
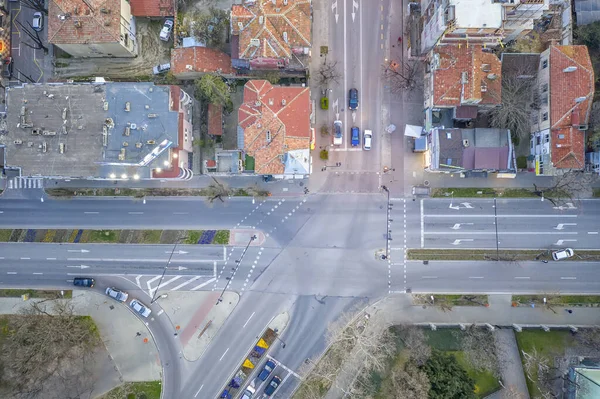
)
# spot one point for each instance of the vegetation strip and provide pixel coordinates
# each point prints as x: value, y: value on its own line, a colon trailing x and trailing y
x: 490, y: 254
x: 46, y: 294
x: 135, y: 390
x: 213, y: 192
x: 556, y: 300
x: 83, y: 236
x: 447, y: 301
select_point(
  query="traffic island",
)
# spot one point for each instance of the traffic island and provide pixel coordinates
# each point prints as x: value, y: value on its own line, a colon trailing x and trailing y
x: 446, y: 302
x: 212, y: 191
x: 543, y: 254
x: 555, y: 300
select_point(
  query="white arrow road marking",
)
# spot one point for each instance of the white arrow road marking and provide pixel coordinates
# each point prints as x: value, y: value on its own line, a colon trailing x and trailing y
x: 354, y: 8
x: 453, y: 207
x: 80, y: 267
x: 561, y: 225
x: 83, y: 251
x: 562, y: 208
x: 467, y: 205
x: 457, y: 242
x: 334, y: 9
x: 457, y: 225
x: 180, y: 252
x: 560, y: 242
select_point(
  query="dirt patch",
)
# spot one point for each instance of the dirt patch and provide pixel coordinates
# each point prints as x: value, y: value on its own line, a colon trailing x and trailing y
x: 151, y: 51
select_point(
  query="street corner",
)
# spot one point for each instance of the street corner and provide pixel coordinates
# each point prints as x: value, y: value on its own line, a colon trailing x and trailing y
x: 197, y: 317
x: 241, y: 237
x: 127, y: 338
x: 279, y: 322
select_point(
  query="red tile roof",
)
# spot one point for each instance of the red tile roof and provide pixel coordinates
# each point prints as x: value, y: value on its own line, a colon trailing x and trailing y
x: 215, y: 119
x: 201, y: 60
x: 94, y: 25
x: 283, y: 113
x: 265, y: 23
x: 571, y: 94
x: 152, y: 8
x: 482, y: 71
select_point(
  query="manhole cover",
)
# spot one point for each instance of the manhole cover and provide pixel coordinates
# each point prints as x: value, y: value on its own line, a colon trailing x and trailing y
x: 426, y: 183
x: 301, y: 183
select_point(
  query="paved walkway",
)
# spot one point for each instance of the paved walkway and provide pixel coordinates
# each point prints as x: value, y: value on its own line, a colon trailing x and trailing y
x: 509, y: 358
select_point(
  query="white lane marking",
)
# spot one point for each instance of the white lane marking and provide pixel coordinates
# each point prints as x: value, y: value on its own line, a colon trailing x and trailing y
x: 476, y: 277
x: 135, y: 213
x: 155, y: 260
x: 38, y: 273
x: 50, y: 258
x: 422, y: 226
x: 523, y: 278
x: 285, y: 368
x: 25, y: 258
x: 91, y: 213
x: 502, y: 216
x: 168, y: 282
x: 592, y: 232
x: 248, y: 320
x: 199, y: 390
x: 186, y: 283
x: 11, y: 272
x: 137, y: 281
x: 512, y: 233
x: 150, y: 282
x: 560, y: 242
x: 180, y: 213
x: 561, y: 226
x: 161, y: 312
x: 222, y: 356
x: 429, y: 277
x: 1, y: 257
x: 457, y: 242
x: 568, y: 278
x: 203, y: 284
x: 224, y: 253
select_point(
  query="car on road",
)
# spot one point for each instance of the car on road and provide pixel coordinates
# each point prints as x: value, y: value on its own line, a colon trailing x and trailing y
x: 38, y: 21
x: 84, y: 282
x: 161, y: 68
x: 562, y: 254
x: 165, y: 32
x: 117, y: 294
x: 353, y: 99
x: 250, y: 390
x: 273, y: 385
x: 337, y: 133
x: 140, y: 308
x: 367, y: 138
x: 7, y: 71
x: 355, y: 136
x: 267, y: 370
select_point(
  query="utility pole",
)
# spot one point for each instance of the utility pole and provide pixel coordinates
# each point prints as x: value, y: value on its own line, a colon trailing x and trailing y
x: 154, y: 297
x: 220, y: 299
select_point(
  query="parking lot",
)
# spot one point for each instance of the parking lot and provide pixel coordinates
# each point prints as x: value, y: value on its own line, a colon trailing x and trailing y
x: 289, y: 379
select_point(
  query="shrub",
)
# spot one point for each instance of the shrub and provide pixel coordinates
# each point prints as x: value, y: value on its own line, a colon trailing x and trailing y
x: 324, y: 154
x: 522, y: 162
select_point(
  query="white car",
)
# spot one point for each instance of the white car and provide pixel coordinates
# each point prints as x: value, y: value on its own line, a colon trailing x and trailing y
x: 140, y: 308
x: 162, y: 68
x: 367, y: 137
x: 337, y: 133
x: 562, y: 254
x: 38, y: 21
x: 165, y: 32
x: 116, y: 294
x: 249, y: 392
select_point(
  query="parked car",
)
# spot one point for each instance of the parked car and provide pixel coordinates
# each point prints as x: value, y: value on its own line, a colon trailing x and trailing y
x: 353, y: 99
x: 367, y: 137
x: 355, y: 136
x: 165, y: 32
x: 267, y: 370
x: 140, y: 308
x: 161, y: 68
x: 117, y: 294
x: 250, y: 390
x: 337, y: 133
x: 8, y: 68
x: 562, y: 254
x: 273, y: 385
x: 38, y: 21
x: 84, y: 282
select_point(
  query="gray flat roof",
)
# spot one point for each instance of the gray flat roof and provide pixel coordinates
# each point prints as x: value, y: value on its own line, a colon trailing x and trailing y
x: 99, y: 136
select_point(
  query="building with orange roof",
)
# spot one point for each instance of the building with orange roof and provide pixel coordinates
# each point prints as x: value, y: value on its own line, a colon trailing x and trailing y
x: 274, y: 128
x: 193, y: 62
x: 273, y: 34
x: 152, y: 8
x: 92, y: 28
x: 565, y: 83
x: 462, y: 78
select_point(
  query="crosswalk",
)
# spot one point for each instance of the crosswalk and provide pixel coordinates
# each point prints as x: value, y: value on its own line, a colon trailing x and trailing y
x: 19, y: 183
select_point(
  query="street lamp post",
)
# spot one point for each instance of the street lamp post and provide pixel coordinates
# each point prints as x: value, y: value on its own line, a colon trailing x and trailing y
x: 220, y: 299
x: 283, y: 344
x: 155, y: 297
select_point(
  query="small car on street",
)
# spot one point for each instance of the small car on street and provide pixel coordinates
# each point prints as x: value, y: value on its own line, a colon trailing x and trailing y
x: 355, y: 136
x: 162, y: 68
x: 367, y: 138
x: 117, y: 294
x: 562, y: 254
x: 273, y: 385
x: 140, y: 308
x: 267, y: 370
x: 38, y: 22
x: 250, y: 390
x: 353, y: 99
x: 337, y: 133
x: 84, y: 282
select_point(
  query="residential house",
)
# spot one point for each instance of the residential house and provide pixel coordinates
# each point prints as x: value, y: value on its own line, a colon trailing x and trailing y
x: 100, y: 131
x: 565, y: 86
x: 152, y: 8
x: 587, y: 11
x: 463, y: 79
x: 470, y: 151
x: 271, y: 35
x: 274, y: 128
x: 92, y: 28
x: 485, y: 22
x: 193, y: 62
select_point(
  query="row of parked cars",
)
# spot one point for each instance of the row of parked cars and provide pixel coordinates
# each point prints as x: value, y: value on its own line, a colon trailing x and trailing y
x: 116, y: 294
x: 262, y: 376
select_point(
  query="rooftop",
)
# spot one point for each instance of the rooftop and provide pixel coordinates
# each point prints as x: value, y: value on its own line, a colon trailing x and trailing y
x: 200, y: 59
x: 275, y: 123
x: 104, y: 129
x: 466, y: 75
x: 84, y: 21
x: 152, y: 8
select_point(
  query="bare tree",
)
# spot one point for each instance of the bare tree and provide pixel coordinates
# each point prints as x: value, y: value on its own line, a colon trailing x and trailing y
x: 589, y: 338
x: 415, y: 342
x: 512, y: 392
x: 480, y: 349
x: 37, y: 5
x: 33, y: 35
x: 328, y: 73
x: 402, y: 76
x: 567, y: 187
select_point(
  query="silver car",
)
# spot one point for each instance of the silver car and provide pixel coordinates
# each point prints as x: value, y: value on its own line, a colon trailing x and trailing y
x: 116, y: 294
x: 165, y: 32
x: 140, y: 308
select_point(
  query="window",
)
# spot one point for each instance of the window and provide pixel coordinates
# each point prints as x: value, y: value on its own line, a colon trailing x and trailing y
x: 544, y: 87
x: 545, y: 98
x: 547, y: 138
x: 268, y: 136
x: 544, y: 64
x: 545, y: 116
x: 449, y: 161
x: 538, y: 140
x: 561, y: 136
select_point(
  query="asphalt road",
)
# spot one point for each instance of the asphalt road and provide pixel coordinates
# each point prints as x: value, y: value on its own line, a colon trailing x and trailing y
x: 28, y: 64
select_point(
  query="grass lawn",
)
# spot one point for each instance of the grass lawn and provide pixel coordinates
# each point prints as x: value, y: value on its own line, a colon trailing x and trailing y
x: 485, y: 382
x: 135, y: 390
x: 102, y: 236
x: 597, y: 192
x: 547, y: 344
x: 222, y: 237
x: 489, y: 254
x: 557, y: 300
x: 193, y: 237
x: 5, y: 235
x: 14, y: 293
x: 444, y: 339
x: 455, y: 300
x: 477, y: 192
x: 151, y: 236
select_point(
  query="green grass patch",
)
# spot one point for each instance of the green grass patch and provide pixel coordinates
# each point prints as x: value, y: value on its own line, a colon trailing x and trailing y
x: 522, y: 162
x: 5, y: 235
x: 443, y: 339
x: 222, y: 237
x: 478, y: 192
x: 250, y: 162
x: 557, y: 299
x: 450, y: 300
x: 596, y: 192
x: 151, y: 236
x: 547, y: 344
x: 485, y: 382
x: 193, y: 237
x: 490, y: 254
x: 102, y: 236
x: 47, y: 294
x: 135, y: 390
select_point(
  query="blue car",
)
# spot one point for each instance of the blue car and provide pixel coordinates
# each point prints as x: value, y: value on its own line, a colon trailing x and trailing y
x: 355, y: 136
x: 273, y: 385
x: 353, y: 99
x: 267, y: 370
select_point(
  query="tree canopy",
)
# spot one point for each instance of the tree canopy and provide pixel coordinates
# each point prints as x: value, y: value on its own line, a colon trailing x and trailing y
x: 212, y: 88
x: 448, y: 379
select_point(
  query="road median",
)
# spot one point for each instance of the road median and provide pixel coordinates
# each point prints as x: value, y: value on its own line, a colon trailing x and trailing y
x: 513, y: 255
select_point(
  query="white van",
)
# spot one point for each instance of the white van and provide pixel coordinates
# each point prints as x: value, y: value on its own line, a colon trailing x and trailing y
x: 367, y: 137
